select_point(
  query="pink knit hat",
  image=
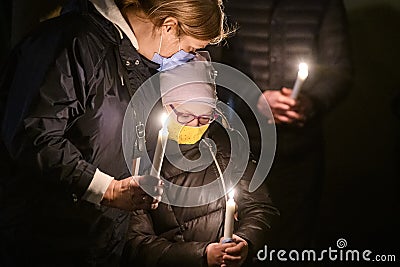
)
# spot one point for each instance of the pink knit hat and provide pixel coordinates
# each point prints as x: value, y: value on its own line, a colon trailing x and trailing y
x: 190, y: 82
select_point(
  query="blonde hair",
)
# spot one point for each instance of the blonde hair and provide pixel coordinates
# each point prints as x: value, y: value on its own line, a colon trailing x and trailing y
x: 201, y: 19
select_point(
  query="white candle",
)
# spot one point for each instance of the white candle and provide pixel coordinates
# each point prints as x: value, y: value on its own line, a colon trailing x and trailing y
x: 301, y: 76
x: 229, y: 217
x: 160, y: 148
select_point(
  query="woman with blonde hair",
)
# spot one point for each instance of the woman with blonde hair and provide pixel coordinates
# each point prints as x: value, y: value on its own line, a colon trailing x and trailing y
x: 66, y: 89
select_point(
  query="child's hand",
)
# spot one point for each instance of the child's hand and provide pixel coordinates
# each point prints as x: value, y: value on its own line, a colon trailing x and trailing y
x: 215, y: 253
x: 235, y: 255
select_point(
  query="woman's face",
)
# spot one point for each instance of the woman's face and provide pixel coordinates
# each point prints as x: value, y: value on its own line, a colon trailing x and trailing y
x: 191, y: 44
x: 187, y: 43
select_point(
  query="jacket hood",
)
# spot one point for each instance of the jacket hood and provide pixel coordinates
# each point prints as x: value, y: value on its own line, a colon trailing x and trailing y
x: 109, y: 10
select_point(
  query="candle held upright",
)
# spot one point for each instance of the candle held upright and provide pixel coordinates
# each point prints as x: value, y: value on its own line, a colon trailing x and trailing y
x: 160, y: 148
x: 229, y: 218
x: 301, y: 77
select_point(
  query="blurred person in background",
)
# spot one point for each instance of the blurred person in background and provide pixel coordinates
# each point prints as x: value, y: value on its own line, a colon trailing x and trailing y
x: 273, y: 37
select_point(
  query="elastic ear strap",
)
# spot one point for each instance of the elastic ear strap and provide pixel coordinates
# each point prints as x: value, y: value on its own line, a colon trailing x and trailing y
x: 159, y: 47
x: 225, y: 121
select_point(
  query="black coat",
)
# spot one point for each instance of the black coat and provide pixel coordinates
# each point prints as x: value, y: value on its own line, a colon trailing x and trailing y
x: 178, y: 236
x: 64, y: 97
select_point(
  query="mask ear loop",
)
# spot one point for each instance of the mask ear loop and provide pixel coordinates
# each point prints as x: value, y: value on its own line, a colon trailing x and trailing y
x: 179, y: 39
x: 159, y: 47
x: 224, y: 120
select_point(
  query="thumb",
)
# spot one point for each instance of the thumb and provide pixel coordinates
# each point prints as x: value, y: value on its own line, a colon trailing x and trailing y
x: 286, y: 91
x: 151, y: 185
x: 148, y: 180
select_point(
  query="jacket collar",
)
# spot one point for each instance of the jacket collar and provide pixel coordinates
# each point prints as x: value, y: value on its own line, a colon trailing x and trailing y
x: 182, y: 156
x: 174, y: 152
x: 109, y: 10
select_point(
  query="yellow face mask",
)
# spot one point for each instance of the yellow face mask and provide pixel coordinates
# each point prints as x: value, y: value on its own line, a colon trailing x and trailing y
x: 185, y: 135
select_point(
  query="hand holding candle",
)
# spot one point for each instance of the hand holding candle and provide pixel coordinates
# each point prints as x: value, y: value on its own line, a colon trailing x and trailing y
x: 229, y: 218
x: 160, y: 148
x: 301, y: 77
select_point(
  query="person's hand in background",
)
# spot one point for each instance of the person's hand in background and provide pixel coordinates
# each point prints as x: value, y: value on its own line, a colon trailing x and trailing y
x: 285, y: 110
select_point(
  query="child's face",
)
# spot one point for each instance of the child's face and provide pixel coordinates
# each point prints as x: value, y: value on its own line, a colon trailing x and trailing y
x: 196, y: 109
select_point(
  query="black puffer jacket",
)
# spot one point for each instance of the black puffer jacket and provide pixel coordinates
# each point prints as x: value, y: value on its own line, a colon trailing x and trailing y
x: 274, y: 36
x: 178, y: 236
x: 67, y: 88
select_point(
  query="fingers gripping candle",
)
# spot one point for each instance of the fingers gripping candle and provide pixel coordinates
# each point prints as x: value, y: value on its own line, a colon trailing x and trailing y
x: 160, y: 148
x: 301, y: 77
x: 229, y: 218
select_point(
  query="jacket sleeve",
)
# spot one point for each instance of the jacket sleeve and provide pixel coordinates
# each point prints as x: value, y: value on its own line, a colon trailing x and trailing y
x: 60, y: 100
x: 330, y: 79
x: 145, y: 248
x: 256, y: 214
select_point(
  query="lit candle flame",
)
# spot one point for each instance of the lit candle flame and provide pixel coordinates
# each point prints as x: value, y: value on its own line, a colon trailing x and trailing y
x: 232, y: 193
x: 164, y: 117
x: 303, y: 70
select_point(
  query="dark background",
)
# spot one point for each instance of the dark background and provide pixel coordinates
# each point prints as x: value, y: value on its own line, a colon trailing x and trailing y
x: 360, y: 200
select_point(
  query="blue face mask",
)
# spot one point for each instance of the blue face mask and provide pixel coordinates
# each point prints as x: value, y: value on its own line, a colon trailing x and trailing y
x: 177, y: 59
